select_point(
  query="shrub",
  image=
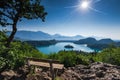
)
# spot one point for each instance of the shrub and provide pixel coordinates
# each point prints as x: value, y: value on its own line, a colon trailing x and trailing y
x: 14, y: 56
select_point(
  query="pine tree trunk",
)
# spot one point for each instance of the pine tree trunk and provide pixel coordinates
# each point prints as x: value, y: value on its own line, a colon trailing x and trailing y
x: 11, y: 37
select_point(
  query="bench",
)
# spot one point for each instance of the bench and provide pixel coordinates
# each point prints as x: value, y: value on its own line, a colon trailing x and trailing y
x: 47, y: 63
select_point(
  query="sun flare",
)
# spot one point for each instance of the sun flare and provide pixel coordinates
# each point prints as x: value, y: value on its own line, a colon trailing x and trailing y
x: 84, y: 5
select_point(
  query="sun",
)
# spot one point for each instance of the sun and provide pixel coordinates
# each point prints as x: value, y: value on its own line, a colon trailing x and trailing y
x: 84, y: 5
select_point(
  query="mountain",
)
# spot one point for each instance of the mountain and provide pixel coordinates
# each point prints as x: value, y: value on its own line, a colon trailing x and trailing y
x: 117, y: 40
x: 118, y: 44
x: 106, y: 41
x: 30, y: 35
x: 61, y: 37
x: 97, y: 38
x: 97, y: 44
x: 39, y: 35
x: 89, y: 40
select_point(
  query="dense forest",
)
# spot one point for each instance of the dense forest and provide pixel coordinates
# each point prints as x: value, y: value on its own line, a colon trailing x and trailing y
x: 42, y: 43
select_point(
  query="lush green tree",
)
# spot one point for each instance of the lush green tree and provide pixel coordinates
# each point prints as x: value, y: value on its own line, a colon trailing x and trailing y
x: 109, y: 55
x: 15, y: 57
x: 13, y: 11
x: 3, y: 37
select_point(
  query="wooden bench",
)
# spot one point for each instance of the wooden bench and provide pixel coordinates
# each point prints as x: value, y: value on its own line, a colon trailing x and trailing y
x: 47, y: 63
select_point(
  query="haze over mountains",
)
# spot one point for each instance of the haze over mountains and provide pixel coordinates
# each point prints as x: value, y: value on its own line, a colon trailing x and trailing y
x: 36, y: 37
x: 39, y: 35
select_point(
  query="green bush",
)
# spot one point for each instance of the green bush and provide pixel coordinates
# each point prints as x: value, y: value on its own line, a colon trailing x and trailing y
x: 14, y: 56
x: 70, y: 58
x: 109, y: 55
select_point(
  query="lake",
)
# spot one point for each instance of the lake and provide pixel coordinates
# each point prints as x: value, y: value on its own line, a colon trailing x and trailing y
x: 60, y: 46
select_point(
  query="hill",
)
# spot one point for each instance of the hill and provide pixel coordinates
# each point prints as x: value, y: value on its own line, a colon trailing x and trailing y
x: 97, y: 44
x: 89, y: 40
x: 30, y: 35
x: 39, y: 35
x: 105, y: 41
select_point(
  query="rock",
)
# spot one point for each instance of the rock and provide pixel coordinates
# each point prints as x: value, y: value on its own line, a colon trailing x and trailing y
x: 71, y: 75
x: 95, y: 71
x: 118, y: 67
x: 89, y: 77
x: 108, y: 65
x: 8, y: 74
x: 100, y: 74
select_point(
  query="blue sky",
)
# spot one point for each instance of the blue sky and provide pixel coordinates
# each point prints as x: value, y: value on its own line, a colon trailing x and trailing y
x: 101, y: 18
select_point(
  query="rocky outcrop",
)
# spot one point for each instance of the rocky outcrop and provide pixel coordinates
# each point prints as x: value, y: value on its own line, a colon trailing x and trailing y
x: 95, y: 71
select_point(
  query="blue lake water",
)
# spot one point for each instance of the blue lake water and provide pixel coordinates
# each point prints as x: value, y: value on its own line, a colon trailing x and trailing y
x: 60, y: 46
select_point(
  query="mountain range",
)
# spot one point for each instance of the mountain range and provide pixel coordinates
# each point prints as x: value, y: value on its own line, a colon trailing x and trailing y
x: 39, y: 35
x: 78, y: 39
x: 91, y: 40
x: 98, y: 44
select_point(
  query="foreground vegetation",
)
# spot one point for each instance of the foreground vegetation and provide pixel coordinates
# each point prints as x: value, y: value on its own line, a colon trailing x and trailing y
x: 72, y: 58
x: 14, y: 56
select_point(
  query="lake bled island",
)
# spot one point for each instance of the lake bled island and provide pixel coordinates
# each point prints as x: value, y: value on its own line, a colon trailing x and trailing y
x: 60, y: 46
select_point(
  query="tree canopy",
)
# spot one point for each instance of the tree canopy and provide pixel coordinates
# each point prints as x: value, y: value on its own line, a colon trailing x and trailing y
x: 13, y: 11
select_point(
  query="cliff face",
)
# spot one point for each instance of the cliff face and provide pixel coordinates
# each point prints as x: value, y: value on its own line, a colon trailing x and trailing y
x: 95, y: 71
